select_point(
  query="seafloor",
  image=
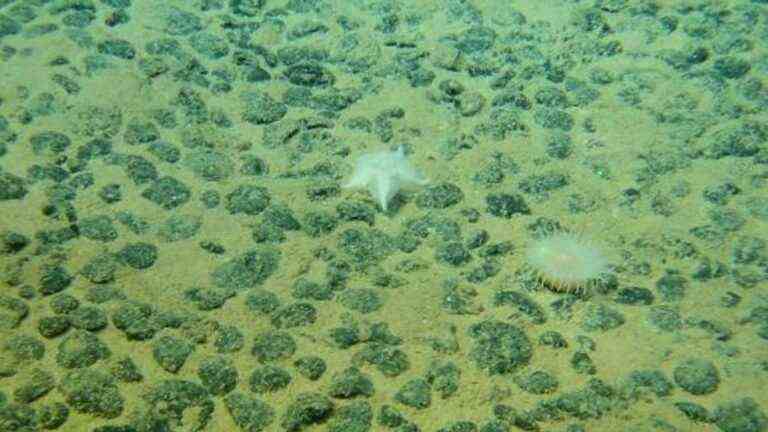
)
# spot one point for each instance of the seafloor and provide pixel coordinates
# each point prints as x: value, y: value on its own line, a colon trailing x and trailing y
x: 178, y: 252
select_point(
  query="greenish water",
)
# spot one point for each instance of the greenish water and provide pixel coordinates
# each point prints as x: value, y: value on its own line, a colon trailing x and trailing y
x: 179, y: 253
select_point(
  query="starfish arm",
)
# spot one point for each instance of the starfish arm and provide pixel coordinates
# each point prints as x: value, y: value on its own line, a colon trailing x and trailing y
x: 410, y: 176
x: 383, y: 189
x: 357, y: 180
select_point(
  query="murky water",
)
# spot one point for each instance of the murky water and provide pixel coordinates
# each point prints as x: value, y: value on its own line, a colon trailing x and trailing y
x: 179, y: 252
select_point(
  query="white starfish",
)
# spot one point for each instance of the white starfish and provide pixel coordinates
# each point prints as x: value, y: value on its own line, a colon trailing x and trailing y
x: 384, y: 173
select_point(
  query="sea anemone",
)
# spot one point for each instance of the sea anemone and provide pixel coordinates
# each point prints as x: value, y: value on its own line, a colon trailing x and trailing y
x: 565, y: 261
